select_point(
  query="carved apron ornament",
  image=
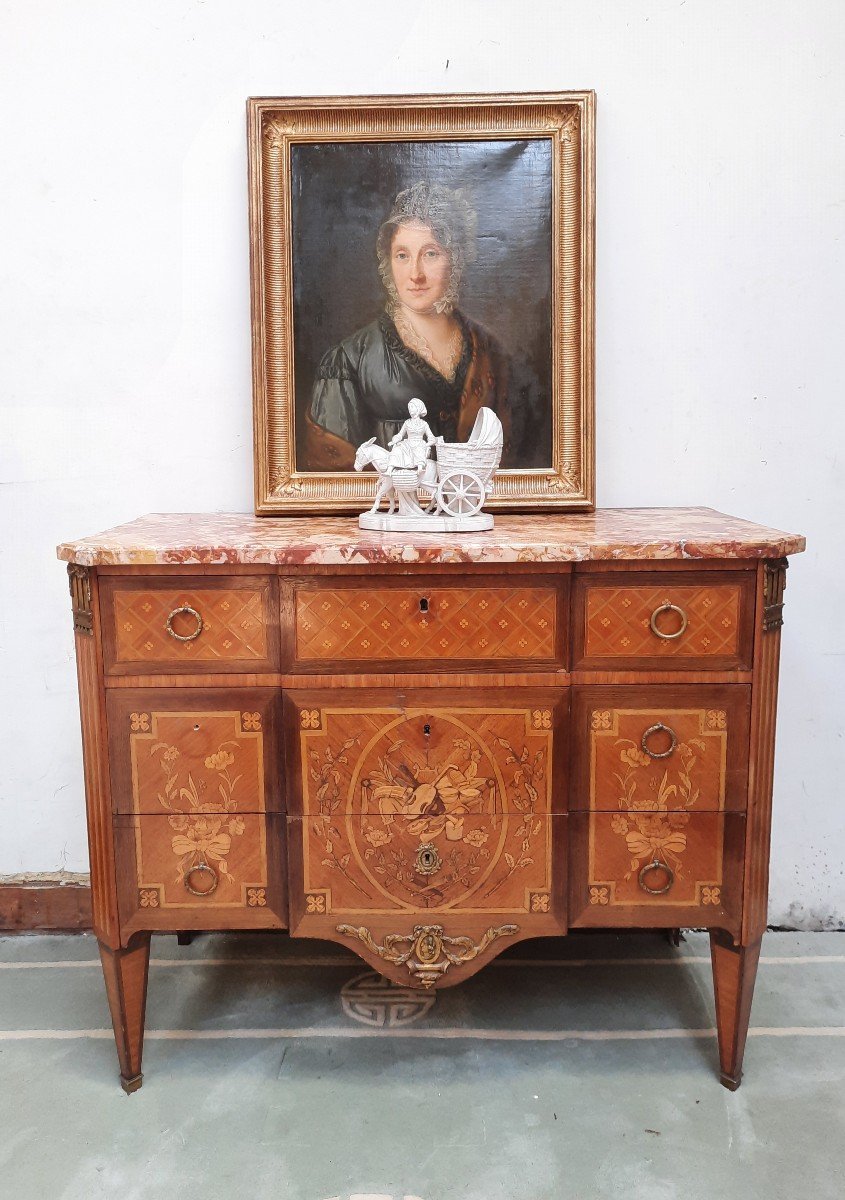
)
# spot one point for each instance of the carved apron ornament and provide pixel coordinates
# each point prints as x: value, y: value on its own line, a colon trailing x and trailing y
x: 427, y: 952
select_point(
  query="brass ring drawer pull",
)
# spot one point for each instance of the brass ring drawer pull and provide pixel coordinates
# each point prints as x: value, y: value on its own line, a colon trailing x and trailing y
x: 656, y: 865
x: 184, y: 637
x: 427, y: 861
x: 667, y: 607
x: 209, y: 878
x: 659, y: 728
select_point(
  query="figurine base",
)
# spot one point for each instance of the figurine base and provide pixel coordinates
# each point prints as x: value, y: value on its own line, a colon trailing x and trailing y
x: 395, y: 524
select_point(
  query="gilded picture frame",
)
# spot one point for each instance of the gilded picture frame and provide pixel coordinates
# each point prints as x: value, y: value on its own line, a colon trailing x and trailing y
x: 513, y: 174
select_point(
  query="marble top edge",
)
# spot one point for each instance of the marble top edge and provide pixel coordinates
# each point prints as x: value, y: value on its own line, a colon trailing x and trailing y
x: 627, y: 534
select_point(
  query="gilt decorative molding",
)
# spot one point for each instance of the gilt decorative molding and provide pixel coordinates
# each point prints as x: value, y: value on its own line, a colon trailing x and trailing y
x: 773, y: 588
x: 427, y: 952
x: 79, y: 580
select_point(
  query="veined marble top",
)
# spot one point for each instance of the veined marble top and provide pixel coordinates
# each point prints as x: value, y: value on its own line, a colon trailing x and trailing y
x: 608, y: 533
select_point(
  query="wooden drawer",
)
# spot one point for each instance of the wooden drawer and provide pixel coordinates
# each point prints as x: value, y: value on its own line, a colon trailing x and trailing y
x: 189, y: 624
x: 206, y: 870
x: 352, y: 866
x: 410, y: 808
x: 487, y: 881
x: 444, y: 753
x: 613, y: 881
x: 660, y: 747
x: 676, y: 620
x: 351, y: 624
x: 189, y: 751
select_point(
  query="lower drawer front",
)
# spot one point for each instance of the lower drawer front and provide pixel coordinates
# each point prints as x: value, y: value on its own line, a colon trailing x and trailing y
x: 203, y: 871
x: 656, y: 868
x: 349, y: 867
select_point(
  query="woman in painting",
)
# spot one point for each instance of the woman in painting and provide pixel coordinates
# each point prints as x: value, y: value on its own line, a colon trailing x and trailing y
x: 421, y: 345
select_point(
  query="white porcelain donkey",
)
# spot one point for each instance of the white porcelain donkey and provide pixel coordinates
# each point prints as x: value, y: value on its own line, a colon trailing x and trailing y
x: 371, y: 452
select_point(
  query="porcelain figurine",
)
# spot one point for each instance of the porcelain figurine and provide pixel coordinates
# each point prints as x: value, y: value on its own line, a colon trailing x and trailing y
x: 424, y: 495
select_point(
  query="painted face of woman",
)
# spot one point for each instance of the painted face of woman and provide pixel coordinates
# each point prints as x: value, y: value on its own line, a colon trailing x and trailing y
x: 420, y: 266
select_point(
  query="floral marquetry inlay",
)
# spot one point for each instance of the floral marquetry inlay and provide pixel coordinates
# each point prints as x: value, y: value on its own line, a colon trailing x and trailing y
x: 197, y: 787
x: 426, y: 809
x: 657, y: 790
x: 658, y: 759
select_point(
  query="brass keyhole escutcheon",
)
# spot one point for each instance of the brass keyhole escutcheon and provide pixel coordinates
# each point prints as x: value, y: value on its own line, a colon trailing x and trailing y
x: 423, y: 604
x: 427, y: 861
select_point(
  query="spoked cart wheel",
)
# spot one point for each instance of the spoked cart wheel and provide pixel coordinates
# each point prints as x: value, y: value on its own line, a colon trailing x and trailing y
x: 461, y: 494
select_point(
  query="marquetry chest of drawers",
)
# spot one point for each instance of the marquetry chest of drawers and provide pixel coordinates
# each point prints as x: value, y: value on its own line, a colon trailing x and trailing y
x: 429, y: 750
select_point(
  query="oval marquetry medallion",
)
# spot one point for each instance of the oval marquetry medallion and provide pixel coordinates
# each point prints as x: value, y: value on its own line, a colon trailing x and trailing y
x: 426, y: 808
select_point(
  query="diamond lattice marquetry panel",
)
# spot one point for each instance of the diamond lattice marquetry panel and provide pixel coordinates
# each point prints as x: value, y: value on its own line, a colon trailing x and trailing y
x: 399, y: 623
x: 233, y: 625
x: 618, y: 621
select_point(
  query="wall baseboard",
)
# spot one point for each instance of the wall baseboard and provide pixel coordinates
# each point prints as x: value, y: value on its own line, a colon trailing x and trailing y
x: 45, y: 907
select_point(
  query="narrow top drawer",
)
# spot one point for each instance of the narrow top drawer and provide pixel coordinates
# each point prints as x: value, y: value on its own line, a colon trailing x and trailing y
x: 674, y: 620
x: 427, y: 622
x: 189, y: 624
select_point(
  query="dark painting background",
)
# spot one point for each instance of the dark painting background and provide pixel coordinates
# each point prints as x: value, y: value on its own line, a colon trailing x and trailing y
x: 340, y: 195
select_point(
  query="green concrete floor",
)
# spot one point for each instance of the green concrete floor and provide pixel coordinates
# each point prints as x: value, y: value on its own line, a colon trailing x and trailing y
x: 566, y: 1070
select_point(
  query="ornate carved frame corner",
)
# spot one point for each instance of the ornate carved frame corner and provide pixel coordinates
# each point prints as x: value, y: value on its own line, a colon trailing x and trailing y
x: 568, y: 120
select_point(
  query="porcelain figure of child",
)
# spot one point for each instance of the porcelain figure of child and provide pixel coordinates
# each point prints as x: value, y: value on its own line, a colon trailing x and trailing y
x: 444, y: 496
x: 411, y: 446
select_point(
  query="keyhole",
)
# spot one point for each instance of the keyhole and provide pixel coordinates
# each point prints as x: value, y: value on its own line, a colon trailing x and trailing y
x: 427, y: 730
x: 196, y: 727
x: 423, y: 604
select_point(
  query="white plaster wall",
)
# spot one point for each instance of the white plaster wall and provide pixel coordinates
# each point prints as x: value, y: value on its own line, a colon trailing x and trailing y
x: 125, y: 308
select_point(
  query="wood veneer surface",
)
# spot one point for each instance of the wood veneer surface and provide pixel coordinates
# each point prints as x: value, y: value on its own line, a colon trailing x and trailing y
x: 429, y: 813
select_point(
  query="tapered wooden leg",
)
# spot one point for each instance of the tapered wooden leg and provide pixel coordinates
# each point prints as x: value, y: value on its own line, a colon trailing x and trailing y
x: 126, y: 972
x: 734, y: 972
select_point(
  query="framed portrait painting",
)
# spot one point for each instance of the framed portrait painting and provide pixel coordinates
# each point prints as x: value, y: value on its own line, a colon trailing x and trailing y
x: 430, y: 247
